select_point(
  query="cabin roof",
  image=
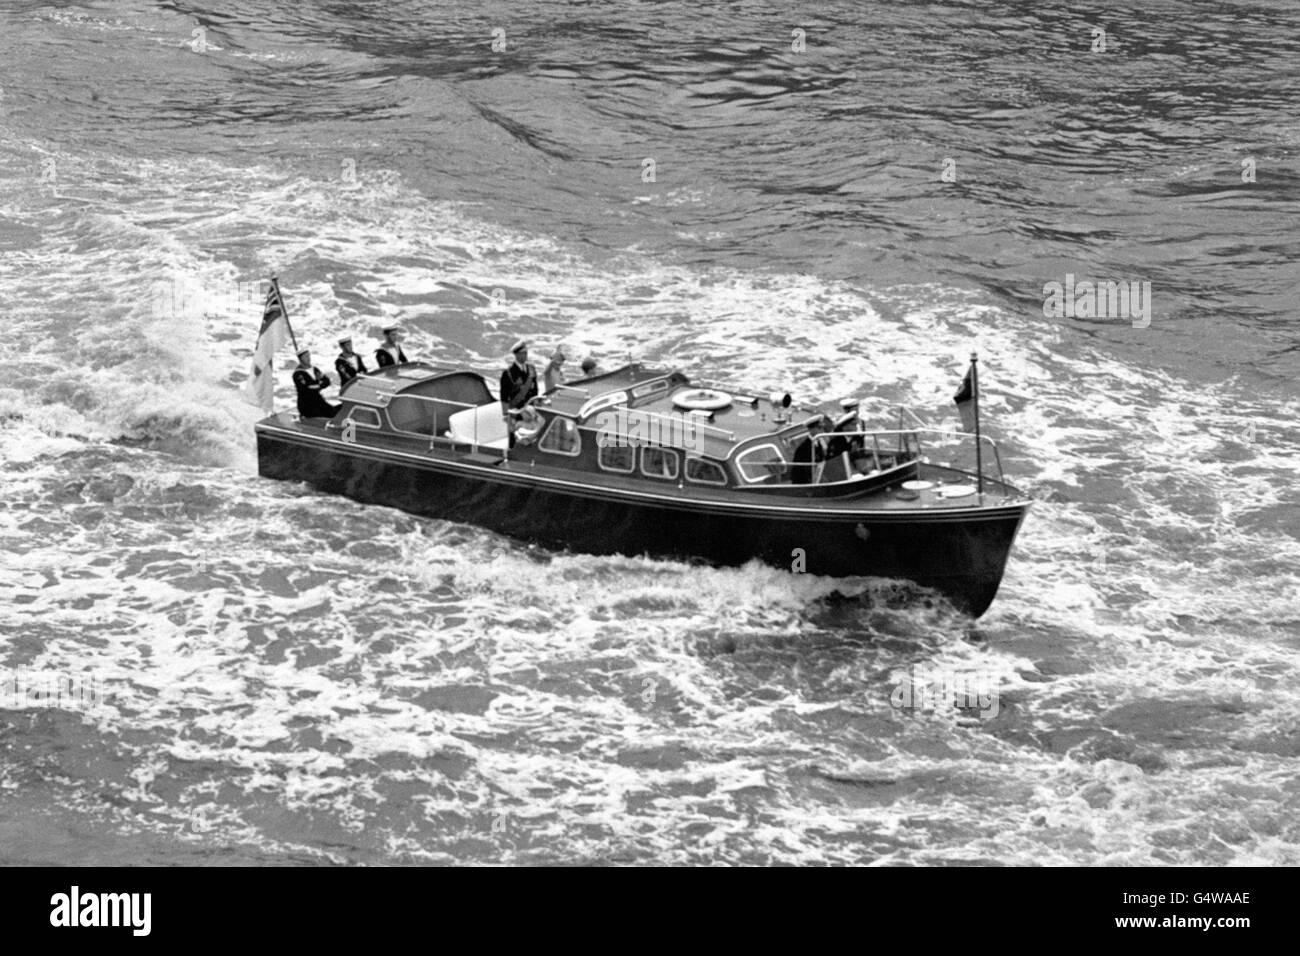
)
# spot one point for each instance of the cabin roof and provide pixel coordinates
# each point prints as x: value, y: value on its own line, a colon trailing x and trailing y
x: 638, y: 396
x: 647, y: 396
x: 379, y: 387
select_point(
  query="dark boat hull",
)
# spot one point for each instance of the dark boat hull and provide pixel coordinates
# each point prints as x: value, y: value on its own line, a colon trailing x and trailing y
x: 960, y: 552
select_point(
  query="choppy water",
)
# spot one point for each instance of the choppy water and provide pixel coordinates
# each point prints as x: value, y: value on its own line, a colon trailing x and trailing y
x: 288, y: 676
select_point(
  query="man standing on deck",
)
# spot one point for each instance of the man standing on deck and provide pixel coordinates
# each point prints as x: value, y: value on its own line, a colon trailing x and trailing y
x: 310, y: 383
x: 390, y: 353
x: 553, y: 374
x: 349, y: 364
x: 518, y: 386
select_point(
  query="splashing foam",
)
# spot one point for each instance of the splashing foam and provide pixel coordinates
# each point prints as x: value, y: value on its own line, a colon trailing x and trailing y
x: 1135, y: 472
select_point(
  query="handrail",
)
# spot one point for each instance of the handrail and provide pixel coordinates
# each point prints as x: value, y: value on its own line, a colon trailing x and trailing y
x: 985, y: 439
x: 816, y: 470
x: 904, y: 431
x: 876, y: 451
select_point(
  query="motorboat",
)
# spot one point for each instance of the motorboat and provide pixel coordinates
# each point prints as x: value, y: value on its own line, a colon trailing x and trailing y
x: 642, y: 460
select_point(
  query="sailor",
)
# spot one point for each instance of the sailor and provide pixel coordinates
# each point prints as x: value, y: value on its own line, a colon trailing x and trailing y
x: 853, y: 443
x: 553, y: 375
x: 809, y: 452
x: 349, y: 364
x: 310, y: 382
x: 390, y: 353
x: 589, y: 366
x: 518, y: 387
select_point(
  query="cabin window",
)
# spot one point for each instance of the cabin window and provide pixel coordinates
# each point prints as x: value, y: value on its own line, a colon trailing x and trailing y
x: 561, y: 437
x: 658, y: 462
x: 616, y: 458
x: 366, y: 417
x: 705, y: 472
x: 409, y: 414
x: 761, y: 464
x: 427, y: 408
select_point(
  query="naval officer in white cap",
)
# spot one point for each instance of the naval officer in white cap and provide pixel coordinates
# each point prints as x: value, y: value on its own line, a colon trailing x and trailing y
x: 518, y: 386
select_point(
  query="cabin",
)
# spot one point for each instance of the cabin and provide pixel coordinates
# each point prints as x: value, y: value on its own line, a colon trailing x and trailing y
x: 630, y: 424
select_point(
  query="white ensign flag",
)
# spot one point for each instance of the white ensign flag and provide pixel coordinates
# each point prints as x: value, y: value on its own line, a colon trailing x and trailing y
x: 259, y: 390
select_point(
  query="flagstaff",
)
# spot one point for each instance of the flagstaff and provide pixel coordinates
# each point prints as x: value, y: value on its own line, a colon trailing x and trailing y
x: 967, y: 400
x: 259, y: 389
x: 975, y: 397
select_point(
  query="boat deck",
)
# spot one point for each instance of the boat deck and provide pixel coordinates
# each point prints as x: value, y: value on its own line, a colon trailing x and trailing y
x: 750, y: 415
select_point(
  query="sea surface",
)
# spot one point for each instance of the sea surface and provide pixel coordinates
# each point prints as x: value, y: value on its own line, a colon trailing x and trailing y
x: 844, y: 198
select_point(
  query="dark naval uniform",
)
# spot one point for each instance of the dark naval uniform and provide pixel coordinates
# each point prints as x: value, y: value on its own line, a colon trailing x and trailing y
x: 311, y: 404
x: 349, y: 367
x: 518, y: 385
x: 385, y: 357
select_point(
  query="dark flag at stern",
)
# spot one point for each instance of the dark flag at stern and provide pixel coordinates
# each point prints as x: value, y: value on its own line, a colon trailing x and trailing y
x: 965, y: 399
x: 968, y: 405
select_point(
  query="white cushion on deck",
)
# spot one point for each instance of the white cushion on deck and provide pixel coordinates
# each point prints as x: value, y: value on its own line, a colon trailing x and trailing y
x: 491, y: 427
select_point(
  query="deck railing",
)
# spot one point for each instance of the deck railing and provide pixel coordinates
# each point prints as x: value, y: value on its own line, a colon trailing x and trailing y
x: 956, y: 436
x: 907, y: 446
